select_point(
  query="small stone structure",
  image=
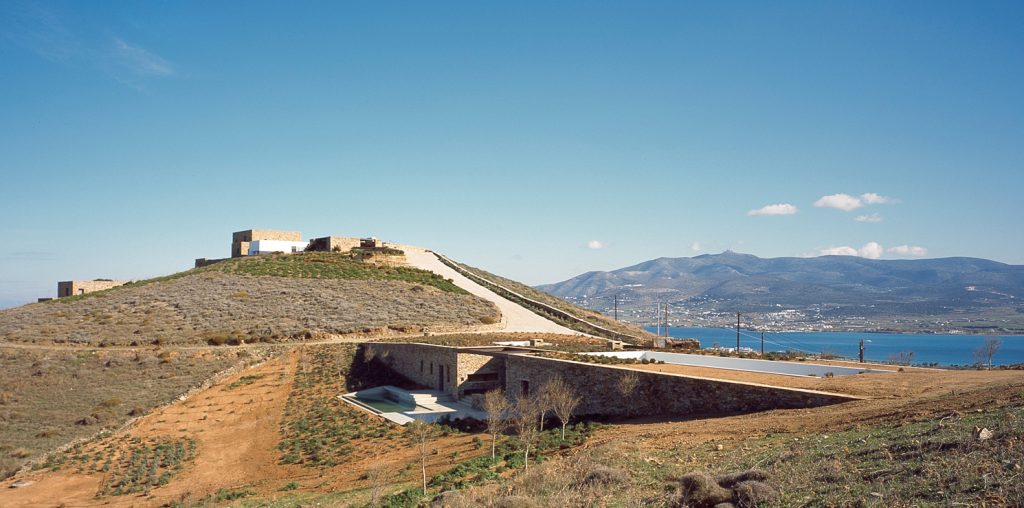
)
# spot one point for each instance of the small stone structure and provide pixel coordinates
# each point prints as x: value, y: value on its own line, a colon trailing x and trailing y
x: 240, y: 240
x: 467, y: 372
x: 81, y: 287
x: 201, y: 262
x: 459, y: 372
x: 333, y: 244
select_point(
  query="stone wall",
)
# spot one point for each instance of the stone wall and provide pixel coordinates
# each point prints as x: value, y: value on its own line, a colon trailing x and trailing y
x: 427, y: 364
x: 599, y: 386
x: 201, y: 262
x: 422, y: 364
x: 80, y: 287
x: 655, y: 393
x: 334, y: 244
x: 479, y: 373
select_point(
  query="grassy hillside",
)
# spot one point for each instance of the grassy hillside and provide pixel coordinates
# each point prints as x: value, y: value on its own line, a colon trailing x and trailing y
x: 560, y: 304
x: 913, y: 461
x: 51, y: 397
x: 265, y: 298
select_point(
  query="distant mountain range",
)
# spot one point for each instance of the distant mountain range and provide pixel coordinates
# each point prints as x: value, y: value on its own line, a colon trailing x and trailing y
x: 945, y: 292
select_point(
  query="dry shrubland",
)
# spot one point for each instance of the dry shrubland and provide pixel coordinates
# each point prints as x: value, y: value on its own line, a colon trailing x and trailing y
x: 54, y: 397
x: 211, y: 306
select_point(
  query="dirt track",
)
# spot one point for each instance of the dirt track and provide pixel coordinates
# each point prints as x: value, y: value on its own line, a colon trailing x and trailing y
x: 514, y: 317
x: 237, y: 433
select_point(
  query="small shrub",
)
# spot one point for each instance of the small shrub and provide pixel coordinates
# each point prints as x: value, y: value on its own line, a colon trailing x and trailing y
x: 21, y: 453
x: 603, y: 475
x: 110, y: 403
x: 700, y: 490
x: 289, y: 486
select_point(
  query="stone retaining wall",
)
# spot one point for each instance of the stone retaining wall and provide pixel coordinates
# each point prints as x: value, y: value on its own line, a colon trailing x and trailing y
x: 655, y: 393
x: 601, y: 387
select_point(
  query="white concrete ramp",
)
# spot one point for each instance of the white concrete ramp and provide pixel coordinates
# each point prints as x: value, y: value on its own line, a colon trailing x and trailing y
x: 514, y: 317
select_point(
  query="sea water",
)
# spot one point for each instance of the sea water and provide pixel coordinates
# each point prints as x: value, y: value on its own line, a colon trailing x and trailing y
x: 927, y: 349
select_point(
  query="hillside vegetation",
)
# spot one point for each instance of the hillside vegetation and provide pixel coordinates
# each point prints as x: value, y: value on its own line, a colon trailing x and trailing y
x: 265, y: 298
x: 934, y: 461
x: 51, y: 397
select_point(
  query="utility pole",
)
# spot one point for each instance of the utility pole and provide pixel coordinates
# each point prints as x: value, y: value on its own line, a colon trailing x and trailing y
x: 762, y: 343
x: 616, y: 306
x: 657, y: 317
x: 861, y: 356
x: 666, y: 320
x: 737, y: 333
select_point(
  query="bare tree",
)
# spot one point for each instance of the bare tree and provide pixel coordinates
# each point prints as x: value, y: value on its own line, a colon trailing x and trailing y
x: 380, y: 476
x: 496, y: 406
x: 987, y: 350
x: 525, y: 419
x: 902, y: 358
x: 542, y: 404
x: 563, y: 401
x: 627, y: 385
x: 421, y: 434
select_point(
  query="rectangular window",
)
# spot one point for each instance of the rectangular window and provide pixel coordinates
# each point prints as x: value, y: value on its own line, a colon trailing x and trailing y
x: 524, y: 388
x: 421, y: 366
x: 431, y: 367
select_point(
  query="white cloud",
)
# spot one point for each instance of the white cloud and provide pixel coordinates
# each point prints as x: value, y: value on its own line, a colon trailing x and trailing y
x: 871, y: 198
x: 908, y: 250
x: 848, y: 203
x: 844, y: 202
x: 696, y: 247
x: 868, y: 218
x: 870, y: 250
x: 838, y: 251
x: 777, y: 209
x: 140, y: 61
x: 595, y: 244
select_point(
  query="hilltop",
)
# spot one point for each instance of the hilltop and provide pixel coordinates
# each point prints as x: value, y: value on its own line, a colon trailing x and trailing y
x: 270, y: 299
x: 908, y: 295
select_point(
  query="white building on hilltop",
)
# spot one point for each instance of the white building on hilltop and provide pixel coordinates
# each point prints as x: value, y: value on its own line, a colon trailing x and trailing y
x: 257, y: 247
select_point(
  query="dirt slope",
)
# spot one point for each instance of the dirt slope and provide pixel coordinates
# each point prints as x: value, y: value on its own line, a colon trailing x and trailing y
x: 236, y: 429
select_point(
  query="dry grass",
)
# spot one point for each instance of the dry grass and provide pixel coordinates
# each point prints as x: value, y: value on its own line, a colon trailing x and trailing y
x: 211, y: 307
x: 936, y: 460
x: 55, y: 397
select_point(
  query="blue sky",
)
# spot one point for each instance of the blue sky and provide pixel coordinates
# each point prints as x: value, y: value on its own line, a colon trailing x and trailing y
x: 537, y: 140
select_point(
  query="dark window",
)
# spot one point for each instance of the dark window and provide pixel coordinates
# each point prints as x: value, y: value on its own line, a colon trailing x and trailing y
x: 431, y: 367
x: 421, y: 366
x: 524, y: 388
x: 482, y: 376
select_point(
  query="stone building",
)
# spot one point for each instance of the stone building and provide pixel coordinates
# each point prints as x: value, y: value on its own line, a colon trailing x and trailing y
x: 467, y: 372
x: 241, y: 240
x: 333, y: 244
x: 81, y: 287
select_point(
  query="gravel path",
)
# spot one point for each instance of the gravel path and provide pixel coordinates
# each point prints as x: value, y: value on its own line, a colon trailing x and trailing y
x: 514, y: 318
